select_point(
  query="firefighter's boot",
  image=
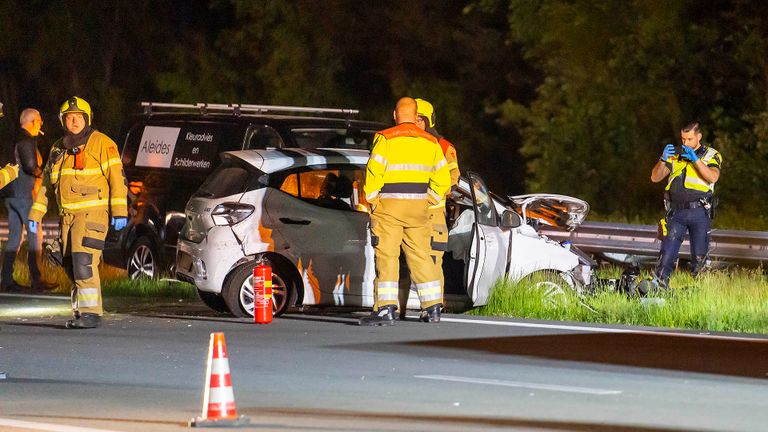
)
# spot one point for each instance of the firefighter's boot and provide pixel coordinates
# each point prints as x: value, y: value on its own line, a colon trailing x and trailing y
x: 431, y: 314
x: 384, y: 317
x: 84, y: 321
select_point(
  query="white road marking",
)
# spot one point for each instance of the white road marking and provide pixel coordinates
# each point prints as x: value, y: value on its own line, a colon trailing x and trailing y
x: 540, y: 325
x: 47, y: 427
x: 524, y: 385
x: 602, y: 329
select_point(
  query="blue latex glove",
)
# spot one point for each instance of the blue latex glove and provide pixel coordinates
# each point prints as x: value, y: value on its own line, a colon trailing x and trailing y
x: 669, y: 151
x: 690, y: 154
x: 119, y: 223
x: 32, y: 226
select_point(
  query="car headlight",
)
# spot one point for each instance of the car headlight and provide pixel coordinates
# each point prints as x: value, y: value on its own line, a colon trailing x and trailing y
x: 231, y: 213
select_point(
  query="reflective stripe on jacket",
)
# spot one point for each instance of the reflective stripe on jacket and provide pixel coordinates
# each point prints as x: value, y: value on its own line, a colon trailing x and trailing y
x: 406, y: 163
x: 692, y: 179
x: 8, y: 174
x: 98, y: 184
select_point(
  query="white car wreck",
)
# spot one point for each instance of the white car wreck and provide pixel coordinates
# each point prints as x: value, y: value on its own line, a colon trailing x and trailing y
x: 305, y: 212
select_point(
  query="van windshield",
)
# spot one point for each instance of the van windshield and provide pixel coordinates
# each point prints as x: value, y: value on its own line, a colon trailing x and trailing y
x: 231, y: 178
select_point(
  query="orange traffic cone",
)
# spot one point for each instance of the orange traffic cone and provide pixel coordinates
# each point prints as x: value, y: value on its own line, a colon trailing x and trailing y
x: 218, y: 397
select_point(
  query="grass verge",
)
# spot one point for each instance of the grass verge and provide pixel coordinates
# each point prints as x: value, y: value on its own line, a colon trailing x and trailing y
x: 734, y: 301
x: 147, y: 288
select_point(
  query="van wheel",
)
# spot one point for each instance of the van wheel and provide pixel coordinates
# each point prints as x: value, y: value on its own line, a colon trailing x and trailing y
x: 238, y: 291
x: 142, y: 260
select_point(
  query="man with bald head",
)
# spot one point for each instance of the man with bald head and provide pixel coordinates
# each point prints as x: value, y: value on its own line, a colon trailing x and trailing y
x: 406, y: 173
x: 20, y: 196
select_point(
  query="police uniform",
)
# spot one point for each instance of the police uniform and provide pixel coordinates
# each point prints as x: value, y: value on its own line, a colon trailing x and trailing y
x: 405, y: 173
x: 687, y: 197
x: 88, y: 184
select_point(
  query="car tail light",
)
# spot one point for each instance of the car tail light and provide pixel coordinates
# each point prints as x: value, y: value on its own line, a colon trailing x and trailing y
x: 231, y: 213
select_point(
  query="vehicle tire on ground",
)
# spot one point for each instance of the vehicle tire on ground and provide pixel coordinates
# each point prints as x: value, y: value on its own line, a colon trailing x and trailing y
x: 555, y: 287
x: 143, y: 260
x: 238, y: 290
x: 213, y: 301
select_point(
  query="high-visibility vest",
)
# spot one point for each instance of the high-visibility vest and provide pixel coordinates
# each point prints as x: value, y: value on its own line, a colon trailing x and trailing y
x: 692, y: 180
x: 87, y: 178
x: 406, y: 163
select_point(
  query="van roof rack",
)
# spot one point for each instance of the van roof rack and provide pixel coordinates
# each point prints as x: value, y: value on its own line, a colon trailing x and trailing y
x: 238, y: 109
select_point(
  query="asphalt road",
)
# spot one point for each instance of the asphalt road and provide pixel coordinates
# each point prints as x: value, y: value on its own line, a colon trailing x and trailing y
x: 144, y: 371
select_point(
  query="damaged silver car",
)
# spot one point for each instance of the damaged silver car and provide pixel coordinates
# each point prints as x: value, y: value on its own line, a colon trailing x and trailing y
x: 305, y: 212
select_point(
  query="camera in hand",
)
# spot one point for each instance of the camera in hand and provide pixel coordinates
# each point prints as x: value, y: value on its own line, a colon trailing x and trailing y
x: 679, y: 150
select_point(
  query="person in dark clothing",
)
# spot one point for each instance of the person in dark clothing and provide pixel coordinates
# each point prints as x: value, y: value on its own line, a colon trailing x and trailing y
x: 18, y: 201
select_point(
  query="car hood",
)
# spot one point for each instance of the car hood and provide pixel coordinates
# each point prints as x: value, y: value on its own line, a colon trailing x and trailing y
x: 559, y: 211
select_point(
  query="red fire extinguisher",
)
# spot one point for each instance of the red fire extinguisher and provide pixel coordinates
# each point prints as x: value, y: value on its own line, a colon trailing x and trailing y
x: 262, y: 293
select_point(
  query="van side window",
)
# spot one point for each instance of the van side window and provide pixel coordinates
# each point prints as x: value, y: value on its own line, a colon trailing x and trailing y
x: 263, y: 137
x: 315, y: 137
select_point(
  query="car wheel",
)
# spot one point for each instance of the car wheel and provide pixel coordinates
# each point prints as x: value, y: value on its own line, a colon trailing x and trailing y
x: 238, y: 291
x: 142, y: 260
x: 213, y: 301
x: 551, y: 285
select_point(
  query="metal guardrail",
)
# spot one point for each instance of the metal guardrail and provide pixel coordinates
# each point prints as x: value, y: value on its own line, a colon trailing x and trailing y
x: 605, y: 237
x: 50, y: 228
x: 602, y: 238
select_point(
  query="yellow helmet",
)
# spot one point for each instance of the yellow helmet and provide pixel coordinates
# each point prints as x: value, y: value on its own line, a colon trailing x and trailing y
x: 425, y: 109
x: 75, y: 105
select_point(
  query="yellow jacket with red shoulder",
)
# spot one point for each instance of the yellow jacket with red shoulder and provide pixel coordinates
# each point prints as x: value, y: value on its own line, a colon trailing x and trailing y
x: 449, y: 151
x: 86, y: 178
x: 8, y: 174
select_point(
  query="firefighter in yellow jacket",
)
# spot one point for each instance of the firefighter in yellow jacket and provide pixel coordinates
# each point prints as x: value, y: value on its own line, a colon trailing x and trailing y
x: 8, y: 174
x: 426, y: 121
x: 85, y: 175
x: 405, y: 174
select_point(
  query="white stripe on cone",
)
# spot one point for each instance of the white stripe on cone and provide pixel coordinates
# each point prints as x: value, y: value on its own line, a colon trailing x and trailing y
x: 218, y: 400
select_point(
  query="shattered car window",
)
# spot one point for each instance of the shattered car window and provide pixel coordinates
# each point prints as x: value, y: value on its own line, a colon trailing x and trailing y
x: 228, y: 179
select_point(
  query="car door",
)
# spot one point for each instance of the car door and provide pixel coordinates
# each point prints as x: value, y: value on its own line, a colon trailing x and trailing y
x: 487, y: 258
x: 316, y: 215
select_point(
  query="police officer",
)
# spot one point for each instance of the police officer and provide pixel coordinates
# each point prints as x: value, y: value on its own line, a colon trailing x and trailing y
x: 691, y: 177
x: 85, y: 175
x: 18, y: 201
x: 405, y: 174
x: 439, y: 242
